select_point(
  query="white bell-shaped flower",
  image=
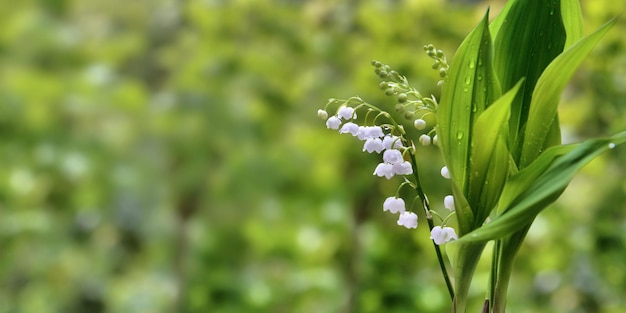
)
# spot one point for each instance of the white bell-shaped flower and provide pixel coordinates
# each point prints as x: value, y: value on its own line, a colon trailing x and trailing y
x: 403, y: 168
x: 350, y: 128
x: 333, y: 122
x: 393, y: 156
x: 442, y: 235
x: 366, y: 132
x: 384, y: 169
x: 373, y: 144
x: 394, y: 205
x: 390, y: 141
x: 408, y: 220
x: 424, y: 140
x: 346, y: 113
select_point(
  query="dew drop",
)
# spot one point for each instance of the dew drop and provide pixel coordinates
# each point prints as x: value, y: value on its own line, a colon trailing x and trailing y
x: 480, y: 77
x: 468, y: 80
x: 459, y: 135
x: 611, y: 145
x: 465, y: 89
x: 472, y: 64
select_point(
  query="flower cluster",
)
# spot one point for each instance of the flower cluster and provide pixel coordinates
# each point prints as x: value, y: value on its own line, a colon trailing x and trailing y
x: 389, y: 139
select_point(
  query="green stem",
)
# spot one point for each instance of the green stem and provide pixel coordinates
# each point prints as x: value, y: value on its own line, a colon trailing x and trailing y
x: 429, y: 218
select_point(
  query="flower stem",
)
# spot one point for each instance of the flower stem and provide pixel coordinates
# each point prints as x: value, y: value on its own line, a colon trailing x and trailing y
x: 429, y: 218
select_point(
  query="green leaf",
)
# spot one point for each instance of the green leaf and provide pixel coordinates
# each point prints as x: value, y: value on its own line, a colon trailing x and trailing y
x: 496, y: 24
x: 489, y: 161
x: 470, y: 87
x: 545, y: 98
x: 530, y: 37
x: 550, y: 174
x: 572, y: 20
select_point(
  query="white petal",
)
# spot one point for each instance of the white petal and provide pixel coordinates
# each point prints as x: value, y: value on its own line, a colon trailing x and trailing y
x: 394, y: 205
x: 346, y: 113
x: 374, y: 132
x: 403, y: 168
x: 424, y: 140
x: 442, y: 235
x: 349, y: 128
x: 393, y: 156
x: 390, y: 141
x: 333, y: 122
x: 373, y: 144
x: 408, y: 220
x: 384, y: 169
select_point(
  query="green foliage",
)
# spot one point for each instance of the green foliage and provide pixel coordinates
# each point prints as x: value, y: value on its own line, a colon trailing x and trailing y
x: 164, y: 156
x: 528, y: 46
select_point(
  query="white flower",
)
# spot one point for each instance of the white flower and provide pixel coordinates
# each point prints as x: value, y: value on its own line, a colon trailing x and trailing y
x: 346, y: 112
x: 366, y: 132
x: 408, y: 220
x: 322, y: 114
x: 384, y: 169
x: 425, y: 140
x: 349, y: 128
x: 388, y: 141
x: 445, y: 173
x: 448, y: 202
x: 419, y: 124
x: 394, y: 205
x: 442, y: 235
x: 333, y: 122
x: 435, y: 140
x: 403, y: 168
x: 373, y: 144
x: 392, y: 156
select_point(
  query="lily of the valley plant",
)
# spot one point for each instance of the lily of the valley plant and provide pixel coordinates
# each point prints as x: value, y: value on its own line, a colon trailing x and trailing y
x: 497, y: 127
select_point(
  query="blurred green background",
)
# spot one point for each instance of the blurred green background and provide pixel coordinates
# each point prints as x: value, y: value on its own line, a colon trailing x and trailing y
x: 165, y: 156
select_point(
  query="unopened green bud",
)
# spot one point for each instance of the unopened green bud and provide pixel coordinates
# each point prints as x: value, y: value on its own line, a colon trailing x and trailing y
x: 383, y: 74
x: 443, y: 72
x: 376, y: 64
x: 440, y: 53
x: 399, y: 108
x: 436, y: 65
x: 383, y: 85
x: 402, y: 97
x: 390, y: 92
x: 409, y: 115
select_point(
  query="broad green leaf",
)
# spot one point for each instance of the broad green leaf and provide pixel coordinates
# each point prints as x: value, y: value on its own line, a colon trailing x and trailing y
x: 470, y: 87
x: 530, y: 37
x: 464, y: 213
x: 545, y: 189
x: 489, y: 160
x: 522, y: 180
x: 572, y: 20
x: 494, y: 26
x: 545, y: 98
